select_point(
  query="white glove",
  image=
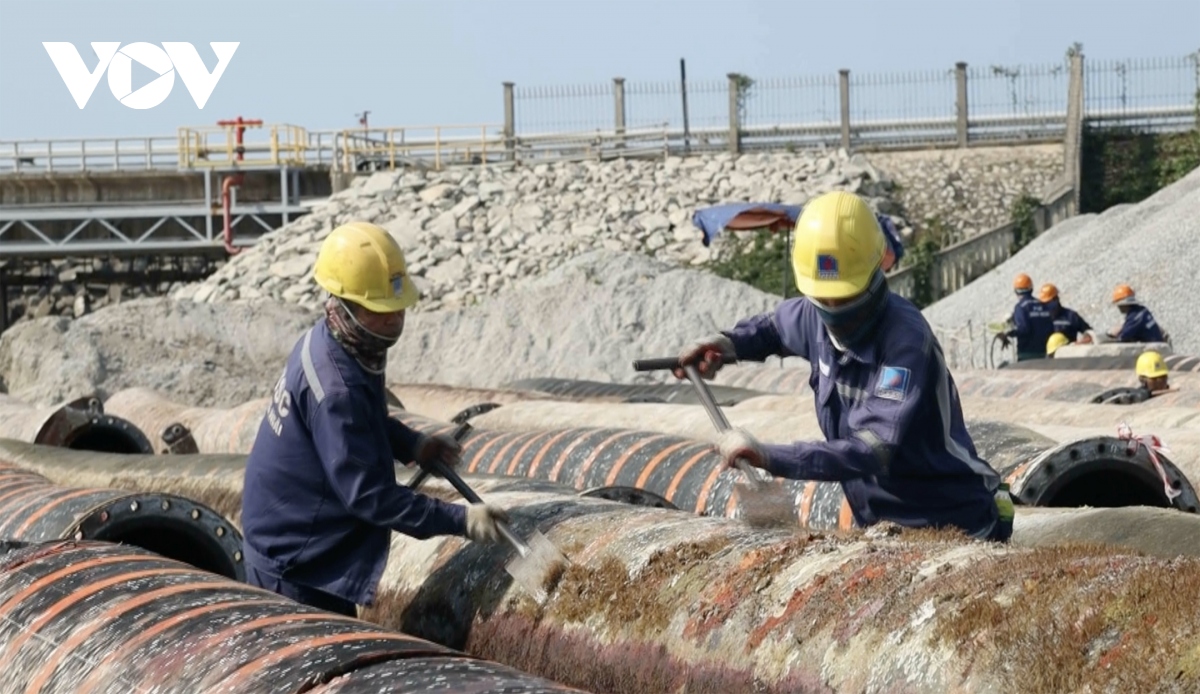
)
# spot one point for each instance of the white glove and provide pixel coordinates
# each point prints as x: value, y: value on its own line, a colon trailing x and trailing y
x: 709, y: 355
x: 482, y: 522
x: 739, y: 443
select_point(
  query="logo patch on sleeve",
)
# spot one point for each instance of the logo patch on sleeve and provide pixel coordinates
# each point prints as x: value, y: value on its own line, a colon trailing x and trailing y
x: 827, y: 267
x: 893, y: 383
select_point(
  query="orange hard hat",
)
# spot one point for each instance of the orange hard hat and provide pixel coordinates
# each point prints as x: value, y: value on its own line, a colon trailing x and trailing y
x: 1048, y: 292
x: 1022, y: 282
x: 1123, y: 295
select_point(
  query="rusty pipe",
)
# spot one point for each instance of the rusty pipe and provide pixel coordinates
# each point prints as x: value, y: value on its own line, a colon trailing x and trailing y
x: 33, y: 509
x: 98, y: 618
x: 658, y: 601
x: 81, y: 424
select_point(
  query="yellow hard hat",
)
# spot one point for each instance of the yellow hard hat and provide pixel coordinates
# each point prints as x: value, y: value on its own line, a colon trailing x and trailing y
x: 1151, y: 365
x: 1056, y: 340
x: 362, y: 263
x: 838, y: 246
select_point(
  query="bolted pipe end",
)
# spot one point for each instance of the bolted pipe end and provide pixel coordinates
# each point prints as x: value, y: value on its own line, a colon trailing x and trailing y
x: 168, y: 525
x: 1102, y: 471
x: 82, y: 425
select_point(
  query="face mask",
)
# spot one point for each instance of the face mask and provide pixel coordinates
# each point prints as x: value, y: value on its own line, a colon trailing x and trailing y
x: 368, y: 348
x: 850, y: 323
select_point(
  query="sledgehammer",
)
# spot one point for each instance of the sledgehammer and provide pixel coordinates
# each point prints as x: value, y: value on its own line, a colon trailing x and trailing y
x: 762, y: 503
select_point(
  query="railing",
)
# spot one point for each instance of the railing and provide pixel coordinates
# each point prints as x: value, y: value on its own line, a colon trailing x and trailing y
x: 217, y: 146
x: 956, y: 266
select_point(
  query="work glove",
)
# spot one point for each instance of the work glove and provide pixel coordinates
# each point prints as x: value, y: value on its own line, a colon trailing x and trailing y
x: 709, y: 355
x: 739, y: 443
x: 482, y: 522
x: 441, y: 447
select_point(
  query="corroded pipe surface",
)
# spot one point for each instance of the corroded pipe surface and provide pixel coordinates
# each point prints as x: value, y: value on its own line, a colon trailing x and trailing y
x: 80, y: 423
x: 625, y: 392
x: 656, y: 601
x: 33, y: 509
x: 95, y: 618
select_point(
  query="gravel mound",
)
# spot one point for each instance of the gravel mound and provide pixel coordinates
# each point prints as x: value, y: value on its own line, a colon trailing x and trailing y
x: 200, y: 354
x: 1151, y: 245
x: 589, y: 319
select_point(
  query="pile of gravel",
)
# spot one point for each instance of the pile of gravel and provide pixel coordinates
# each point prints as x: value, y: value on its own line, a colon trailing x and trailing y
x: 199, y: 354
x: 588, y: 319
x: 1152, y: 245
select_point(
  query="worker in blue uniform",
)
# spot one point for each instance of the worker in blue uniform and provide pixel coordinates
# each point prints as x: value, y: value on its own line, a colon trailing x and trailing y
x: 320, y: 499
x: 1066, y: 321
x: 1032, y: 324
x: 1139, y: 325
x: 886, y: 403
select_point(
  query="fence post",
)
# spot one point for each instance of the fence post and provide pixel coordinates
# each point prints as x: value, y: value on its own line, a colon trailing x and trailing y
x: 510, y: 126
x: 1073, y: 144
x: 844, y: 89
x: 735, y: 124
x: 960, y: 77
x: 619, y: 109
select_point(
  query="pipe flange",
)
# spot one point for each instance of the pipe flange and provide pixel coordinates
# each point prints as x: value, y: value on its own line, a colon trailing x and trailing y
x: 134, y: 438
x: 1037, y: 482
x: 473, y: 411
x: 629, y: 495
x: 179, y: 440
x: 161, y: 523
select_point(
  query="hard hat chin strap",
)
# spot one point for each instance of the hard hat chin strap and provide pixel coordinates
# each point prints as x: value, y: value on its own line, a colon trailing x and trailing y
x: 368, y: 348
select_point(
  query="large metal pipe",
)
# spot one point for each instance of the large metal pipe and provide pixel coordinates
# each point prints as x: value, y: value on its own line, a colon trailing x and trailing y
x: 602, y: 448
x: 627, y: 392
x: 656, y: 601
x: 453, y: 403
x: 34, y: 509
x: 662, y: 601
x: 1179, y: 363
x: 181, y: 429
x: 98, y: 618
x: 82, y: 424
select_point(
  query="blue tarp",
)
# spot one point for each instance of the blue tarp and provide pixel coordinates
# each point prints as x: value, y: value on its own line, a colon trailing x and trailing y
x: 713, y: 220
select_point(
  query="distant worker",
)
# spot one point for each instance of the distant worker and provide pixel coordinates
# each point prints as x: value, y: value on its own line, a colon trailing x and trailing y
x: 1065, y: 320
x: 1139, y: 325
x: 1054, y: 342
x: 1152, y: 380
x: 886, y: 403
x: 320, y: 494
x: 1032, y: 324
x: 895, y: 245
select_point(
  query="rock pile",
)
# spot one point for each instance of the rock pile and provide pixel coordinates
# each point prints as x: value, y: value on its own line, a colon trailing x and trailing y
x: 469, y: 232
x: 1150, y: 245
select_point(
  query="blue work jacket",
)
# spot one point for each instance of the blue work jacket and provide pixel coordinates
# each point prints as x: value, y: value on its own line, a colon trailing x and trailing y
x: 1140, y: 326
x: 1070, y: 324
x: 320, y: 497
x: 1033, y: 326
x: 893, y: 424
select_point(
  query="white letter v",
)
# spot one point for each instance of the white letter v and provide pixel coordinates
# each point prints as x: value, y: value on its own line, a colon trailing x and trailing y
x: 199, y: 82
x: 74, y: 73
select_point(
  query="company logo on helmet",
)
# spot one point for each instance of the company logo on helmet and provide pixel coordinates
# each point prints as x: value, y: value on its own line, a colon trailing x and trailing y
x: 827, y: 267
x: 397, y: 285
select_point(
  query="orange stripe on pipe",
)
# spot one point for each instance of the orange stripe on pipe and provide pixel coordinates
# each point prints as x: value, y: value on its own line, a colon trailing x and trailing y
x: 845, y: 517
x: 629, y: 452
x: 27, y: 632
x: 102, y: 620
x: 806, y: 499
x: 38, y: 514
x: 679, y: 474
x: 657, y: 460
x: 496, y: 459
x: 238, y: 677
x: 99, y: 669
x: 706, y: 488
x: 594, y: 455
x: 1017, y: 472
x: 16, y: 492
x: 525, y: 449
x: 478, y: 457
x: 23, y: 480
x: 25, y: 500
x: 537, y: 459
x: 566, y: 452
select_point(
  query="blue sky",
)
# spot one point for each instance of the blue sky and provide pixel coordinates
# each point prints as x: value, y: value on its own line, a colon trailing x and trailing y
x: 412, y: 62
